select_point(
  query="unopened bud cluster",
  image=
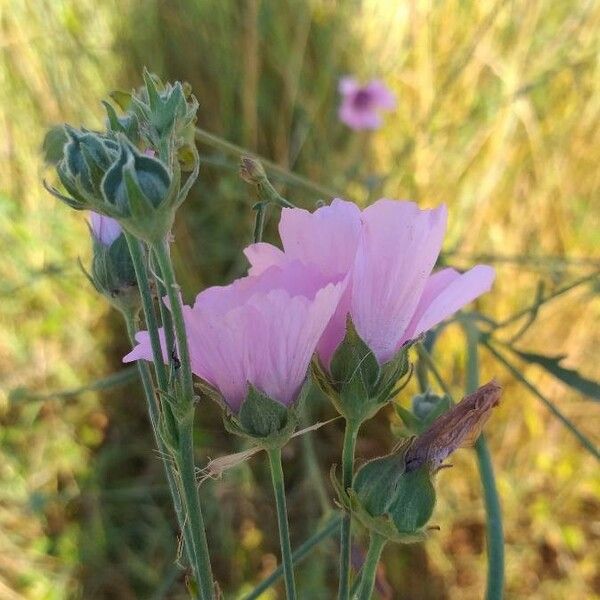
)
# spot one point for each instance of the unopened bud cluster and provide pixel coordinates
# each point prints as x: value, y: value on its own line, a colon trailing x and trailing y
x: 132, y: 171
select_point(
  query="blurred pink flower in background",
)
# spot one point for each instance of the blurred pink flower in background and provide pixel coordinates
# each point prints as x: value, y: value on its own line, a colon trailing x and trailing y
x: 261, y: 329
x: 362, y: 104
x: 385, y: 255
x: 105, y: 229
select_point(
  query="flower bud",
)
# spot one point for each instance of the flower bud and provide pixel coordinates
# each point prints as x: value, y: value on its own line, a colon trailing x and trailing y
x: 165, y: 111
x: 389, y: 500
x: 140, y: 190
x: 86, y: 158
x: 426, y: 408
x: 394, y: 495
x: 112, y: 272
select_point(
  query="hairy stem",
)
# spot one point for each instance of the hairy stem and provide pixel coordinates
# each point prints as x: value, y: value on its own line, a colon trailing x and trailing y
x: 284, y: 534
x: 154, y: 413
x: 185, y: 453
x: 350, y: 435
x: 369, y: 571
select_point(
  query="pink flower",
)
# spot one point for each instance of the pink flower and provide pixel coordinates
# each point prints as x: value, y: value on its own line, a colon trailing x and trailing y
x: 261, y: 330
x: 105, y: 229
x: 362, y: 104
x: 385, y: 256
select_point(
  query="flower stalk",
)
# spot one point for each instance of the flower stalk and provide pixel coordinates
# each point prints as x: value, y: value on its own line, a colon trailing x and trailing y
x: 349, y: 448
x: 185, y: 422
x: 154, y: 414
x: 284, y: 534
x: 369, y: 571
x: 493, y: 511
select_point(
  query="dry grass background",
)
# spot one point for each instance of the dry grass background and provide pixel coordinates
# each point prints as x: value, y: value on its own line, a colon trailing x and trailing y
x: 498, y: 114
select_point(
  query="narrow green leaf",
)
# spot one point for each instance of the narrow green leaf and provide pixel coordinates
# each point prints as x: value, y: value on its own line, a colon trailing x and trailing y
x: 570, y: 377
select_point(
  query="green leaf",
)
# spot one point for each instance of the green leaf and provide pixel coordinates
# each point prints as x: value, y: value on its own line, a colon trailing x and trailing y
x: 262, y: 416
x: 570, y: 377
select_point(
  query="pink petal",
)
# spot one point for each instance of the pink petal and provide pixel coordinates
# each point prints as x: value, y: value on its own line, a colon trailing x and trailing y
x: 447, y: 292
x: 348, y: 85
x: 143, y: 350
x: 261, y: 256
x: 384, y: 98
x: 105, y: 229
x: 359, y: 118
x: 399, y: 247
x: 267, y: 339
x: 327, y: 237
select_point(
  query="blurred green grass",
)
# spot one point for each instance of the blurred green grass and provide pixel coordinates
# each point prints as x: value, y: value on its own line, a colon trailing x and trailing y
x: 498, y: 114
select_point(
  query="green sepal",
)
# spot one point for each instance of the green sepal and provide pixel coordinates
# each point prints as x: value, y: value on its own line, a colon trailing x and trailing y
x: 356, y: 384
x: 261, y: 420
x: 260, y: 415
x: 376, y: 481
x: 389, y: 501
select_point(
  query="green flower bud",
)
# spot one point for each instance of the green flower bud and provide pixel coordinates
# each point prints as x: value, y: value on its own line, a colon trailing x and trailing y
x: 147, y: 174
x: 426, y: 408
x: 165, y: 111
x: 113, y: 275
x: 141, y: 193
x: 389, y: 500
x: 86, y: 157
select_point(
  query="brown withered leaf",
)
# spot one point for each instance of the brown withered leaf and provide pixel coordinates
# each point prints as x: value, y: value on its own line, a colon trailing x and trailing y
x: 460, y: 426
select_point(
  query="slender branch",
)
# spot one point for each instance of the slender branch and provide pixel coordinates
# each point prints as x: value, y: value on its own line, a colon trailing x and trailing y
x: 284, y: 533
x: 350, y: 435
x: 584, y: 441
x: 367, y: 583
x: 273, y: 168
x: 535, y: 306
x: 331, y: 527
x: 493, y: 511
x: 185, y: 454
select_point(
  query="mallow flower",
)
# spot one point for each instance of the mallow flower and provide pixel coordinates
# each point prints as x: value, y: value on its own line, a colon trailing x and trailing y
x: 362, y: 105
x: 385, y: 254
x: 258, y: 333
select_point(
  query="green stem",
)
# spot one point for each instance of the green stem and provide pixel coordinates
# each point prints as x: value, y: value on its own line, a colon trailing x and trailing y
x: 369, y: 572
x: 495, y: 534
x: 298, y: 555
x: 350, y: 435
x: 284, y: 534
x: 154, y: 413
x: 165, y: 317
x: 185, y: 454
x: 137, y: 258
x: 161, y: 251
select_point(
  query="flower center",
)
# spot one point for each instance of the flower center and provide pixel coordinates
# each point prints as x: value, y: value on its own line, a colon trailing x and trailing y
x: 362, y: 99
